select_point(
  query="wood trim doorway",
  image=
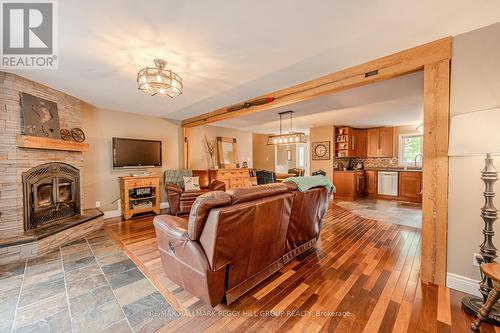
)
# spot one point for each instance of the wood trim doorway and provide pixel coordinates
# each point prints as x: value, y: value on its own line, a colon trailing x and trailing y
x: 434, y: 60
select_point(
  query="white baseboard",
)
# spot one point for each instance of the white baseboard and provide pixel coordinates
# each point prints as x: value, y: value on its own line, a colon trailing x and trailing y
x: 117, y: 212
x: 463, y: 284
x: 112, y: 213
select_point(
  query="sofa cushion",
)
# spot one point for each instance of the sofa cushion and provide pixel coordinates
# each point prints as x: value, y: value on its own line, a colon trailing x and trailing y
x: 193, y: 194
x: 201, y: 208
x: 203, y: 176
x: 175, y: 176
x: 191, y: 184
x: 239, y: 195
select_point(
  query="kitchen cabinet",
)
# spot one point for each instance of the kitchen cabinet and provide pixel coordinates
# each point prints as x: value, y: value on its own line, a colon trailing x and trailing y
x: 372, y: 142
x: 387, y: 137
x: 349, y: 185
x: 370, y: 182
x: 381, y: 142
x: 350, y: 142
x: 360, y: 137
x: 410, y: 185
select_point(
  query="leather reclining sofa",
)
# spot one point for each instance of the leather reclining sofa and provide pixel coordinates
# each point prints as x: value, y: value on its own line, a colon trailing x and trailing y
x: 234, y: 240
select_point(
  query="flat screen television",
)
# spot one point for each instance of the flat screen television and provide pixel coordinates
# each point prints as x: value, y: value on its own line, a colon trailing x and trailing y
x: 136, y: 153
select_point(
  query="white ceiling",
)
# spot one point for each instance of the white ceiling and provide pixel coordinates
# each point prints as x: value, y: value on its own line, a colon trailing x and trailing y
x: 229, y: 51
x: 395, y: 102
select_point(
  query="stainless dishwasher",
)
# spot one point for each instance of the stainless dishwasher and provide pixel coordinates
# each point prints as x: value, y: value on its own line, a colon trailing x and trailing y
x: 388, y: 183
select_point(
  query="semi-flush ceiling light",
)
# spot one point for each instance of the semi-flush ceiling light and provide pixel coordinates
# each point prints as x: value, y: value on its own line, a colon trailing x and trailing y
x: 159, y: 81
x: 289, y: 138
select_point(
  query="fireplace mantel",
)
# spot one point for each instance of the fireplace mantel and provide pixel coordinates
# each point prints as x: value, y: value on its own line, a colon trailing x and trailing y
x: 36, y: 142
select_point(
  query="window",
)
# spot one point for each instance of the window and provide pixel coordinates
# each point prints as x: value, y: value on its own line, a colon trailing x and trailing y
x: 410, y: 148
x: 302, y: 156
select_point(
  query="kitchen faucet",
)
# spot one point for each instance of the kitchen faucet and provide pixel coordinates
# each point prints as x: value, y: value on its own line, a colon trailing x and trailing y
x: 421, y: 159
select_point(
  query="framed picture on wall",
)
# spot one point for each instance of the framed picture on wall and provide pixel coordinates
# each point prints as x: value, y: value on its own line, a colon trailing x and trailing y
x: 320, y: 150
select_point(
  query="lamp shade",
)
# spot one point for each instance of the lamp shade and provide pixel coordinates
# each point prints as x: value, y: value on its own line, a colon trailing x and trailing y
x: 475, y: 133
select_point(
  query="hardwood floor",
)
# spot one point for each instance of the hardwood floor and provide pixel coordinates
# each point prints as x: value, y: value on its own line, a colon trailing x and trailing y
x: 363, y: 277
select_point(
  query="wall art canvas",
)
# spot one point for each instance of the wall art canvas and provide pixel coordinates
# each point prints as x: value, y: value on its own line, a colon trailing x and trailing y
x: 40, y: 117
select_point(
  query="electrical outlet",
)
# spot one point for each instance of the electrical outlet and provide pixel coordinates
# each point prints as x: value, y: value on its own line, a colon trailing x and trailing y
x: 97, y: 204
x: 476, y: 259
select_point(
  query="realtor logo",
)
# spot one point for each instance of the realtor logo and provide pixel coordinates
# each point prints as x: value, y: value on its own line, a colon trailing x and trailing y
x: 28, y: 34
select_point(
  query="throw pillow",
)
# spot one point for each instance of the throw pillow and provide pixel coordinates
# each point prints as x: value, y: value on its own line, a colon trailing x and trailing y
x: 191, y: 184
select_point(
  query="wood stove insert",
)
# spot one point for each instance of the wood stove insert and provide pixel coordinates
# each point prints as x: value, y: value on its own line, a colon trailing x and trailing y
x: 51, y: 194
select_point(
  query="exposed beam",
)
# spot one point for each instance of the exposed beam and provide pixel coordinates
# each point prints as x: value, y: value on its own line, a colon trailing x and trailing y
x: 388, y: 67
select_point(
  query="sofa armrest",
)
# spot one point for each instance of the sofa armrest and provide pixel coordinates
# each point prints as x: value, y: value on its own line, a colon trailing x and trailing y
x: 171, y: 187
x: 217, y: 185
x: 173, y: 226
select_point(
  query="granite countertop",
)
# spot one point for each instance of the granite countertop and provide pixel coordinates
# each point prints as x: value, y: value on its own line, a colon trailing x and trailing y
x: 411, y: 169
x: 382, y: 169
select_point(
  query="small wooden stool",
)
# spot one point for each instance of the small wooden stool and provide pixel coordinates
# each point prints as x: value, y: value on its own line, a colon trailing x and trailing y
x: 491, y: 270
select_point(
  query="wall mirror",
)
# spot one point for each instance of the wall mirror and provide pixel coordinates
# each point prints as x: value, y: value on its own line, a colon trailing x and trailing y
x: 227, y: 152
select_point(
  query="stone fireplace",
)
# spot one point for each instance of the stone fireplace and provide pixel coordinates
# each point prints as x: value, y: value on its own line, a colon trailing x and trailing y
x: 51, y: 194
x: 41, y: 196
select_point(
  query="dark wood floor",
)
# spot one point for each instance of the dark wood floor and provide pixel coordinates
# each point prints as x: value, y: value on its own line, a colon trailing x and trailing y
x: 363, y: 277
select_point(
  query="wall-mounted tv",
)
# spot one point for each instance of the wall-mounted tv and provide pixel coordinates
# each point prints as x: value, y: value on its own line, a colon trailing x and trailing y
x: 136, y: 153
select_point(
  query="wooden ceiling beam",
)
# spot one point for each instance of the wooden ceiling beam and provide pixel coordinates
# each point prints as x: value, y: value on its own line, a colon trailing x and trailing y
x: 384, y: 68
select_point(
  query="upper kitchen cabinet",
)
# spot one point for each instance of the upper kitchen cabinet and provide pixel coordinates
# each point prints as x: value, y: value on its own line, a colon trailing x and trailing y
x: 350, y: 142
x: 381, y: 142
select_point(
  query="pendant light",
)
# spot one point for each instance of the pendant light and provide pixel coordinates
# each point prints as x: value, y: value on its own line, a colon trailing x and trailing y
x: 288, y: 138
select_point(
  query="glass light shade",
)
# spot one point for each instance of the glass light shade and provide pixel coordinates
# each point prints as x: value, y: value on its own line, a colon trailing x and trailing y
x: 159, y: 81
x: 289, y: 138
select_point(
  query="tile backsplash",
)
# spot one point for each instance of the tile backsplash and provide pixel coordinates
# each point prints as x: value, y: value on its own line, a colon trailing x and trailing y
x: 368, y: 162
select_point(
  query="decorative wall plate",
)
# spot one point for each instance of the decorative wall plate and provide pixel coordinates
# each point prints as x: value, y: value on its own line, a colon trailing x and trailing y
x: 320, y: 150
x: 66, y: 134
x: 78, y: 134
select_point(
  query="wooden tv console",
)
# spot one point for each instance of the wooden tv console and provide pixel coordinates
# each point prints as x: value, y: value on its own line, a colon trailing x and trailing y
x: 134, y: 204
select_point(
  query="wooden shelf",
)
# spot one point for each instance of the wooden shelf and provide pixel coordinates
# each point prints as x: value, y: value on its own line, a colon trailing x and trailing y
x: 143, y: 198
x: 37, y: 142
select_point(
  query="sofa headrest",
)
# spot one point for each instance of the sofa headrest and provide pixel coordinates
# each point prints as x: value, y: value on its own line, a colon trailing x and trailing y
x: 291, y: 185
x: 200, y: 209
x: 239, y: 195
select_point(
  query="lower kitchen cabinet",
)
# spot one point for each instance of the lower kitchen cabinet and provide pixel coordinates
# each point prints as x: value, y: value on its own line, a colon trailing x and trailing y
x: 410, y: 186
x: 350, y: 185
x: 371, y: 182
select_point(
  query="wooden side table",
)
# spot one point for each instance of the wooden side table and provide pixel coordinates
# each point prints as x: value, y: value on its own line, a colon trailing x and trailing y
x: 491, y: 270
x: 139, y: 195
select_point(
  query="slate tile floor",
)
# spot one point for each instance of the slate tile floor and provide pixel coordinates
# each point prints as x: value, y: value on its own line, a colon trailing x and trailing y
x: 388, y: 211
x: 87, y: 286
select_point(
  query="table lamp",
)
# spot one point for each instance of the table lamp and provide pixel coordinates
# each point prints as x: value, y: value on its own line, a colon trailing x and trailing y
x: 476, y: 134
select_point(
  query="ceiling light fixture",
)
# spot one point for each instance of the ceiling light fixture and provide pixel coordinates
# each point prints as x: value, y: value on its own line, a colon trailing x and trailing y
x: 159, y: 81
x: 289, y: 138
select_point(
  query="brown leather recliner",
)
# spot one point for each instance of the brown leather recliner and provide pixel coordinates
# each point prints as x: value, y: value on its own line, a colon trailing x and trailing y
x: 180, y: 201
x: 234, y: 240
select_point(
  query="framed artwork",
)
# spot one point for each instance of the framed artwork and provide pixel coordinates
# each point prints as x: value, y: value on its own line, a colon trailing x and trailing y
x: 320, y: 150
x: 40, y: 117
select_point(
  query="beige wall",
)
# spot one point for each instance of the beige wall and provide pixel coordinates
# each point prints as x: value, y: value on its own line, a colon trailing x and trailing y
x: 198, y: 158
x: 475, y: 86
x: 100, y: 181
x: 322, y: 133
x: 264, y: 156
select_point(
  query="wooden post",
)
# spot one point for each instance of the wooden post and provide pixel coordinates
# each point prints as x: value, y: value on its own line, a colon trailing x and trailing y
x: 435, y: 176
